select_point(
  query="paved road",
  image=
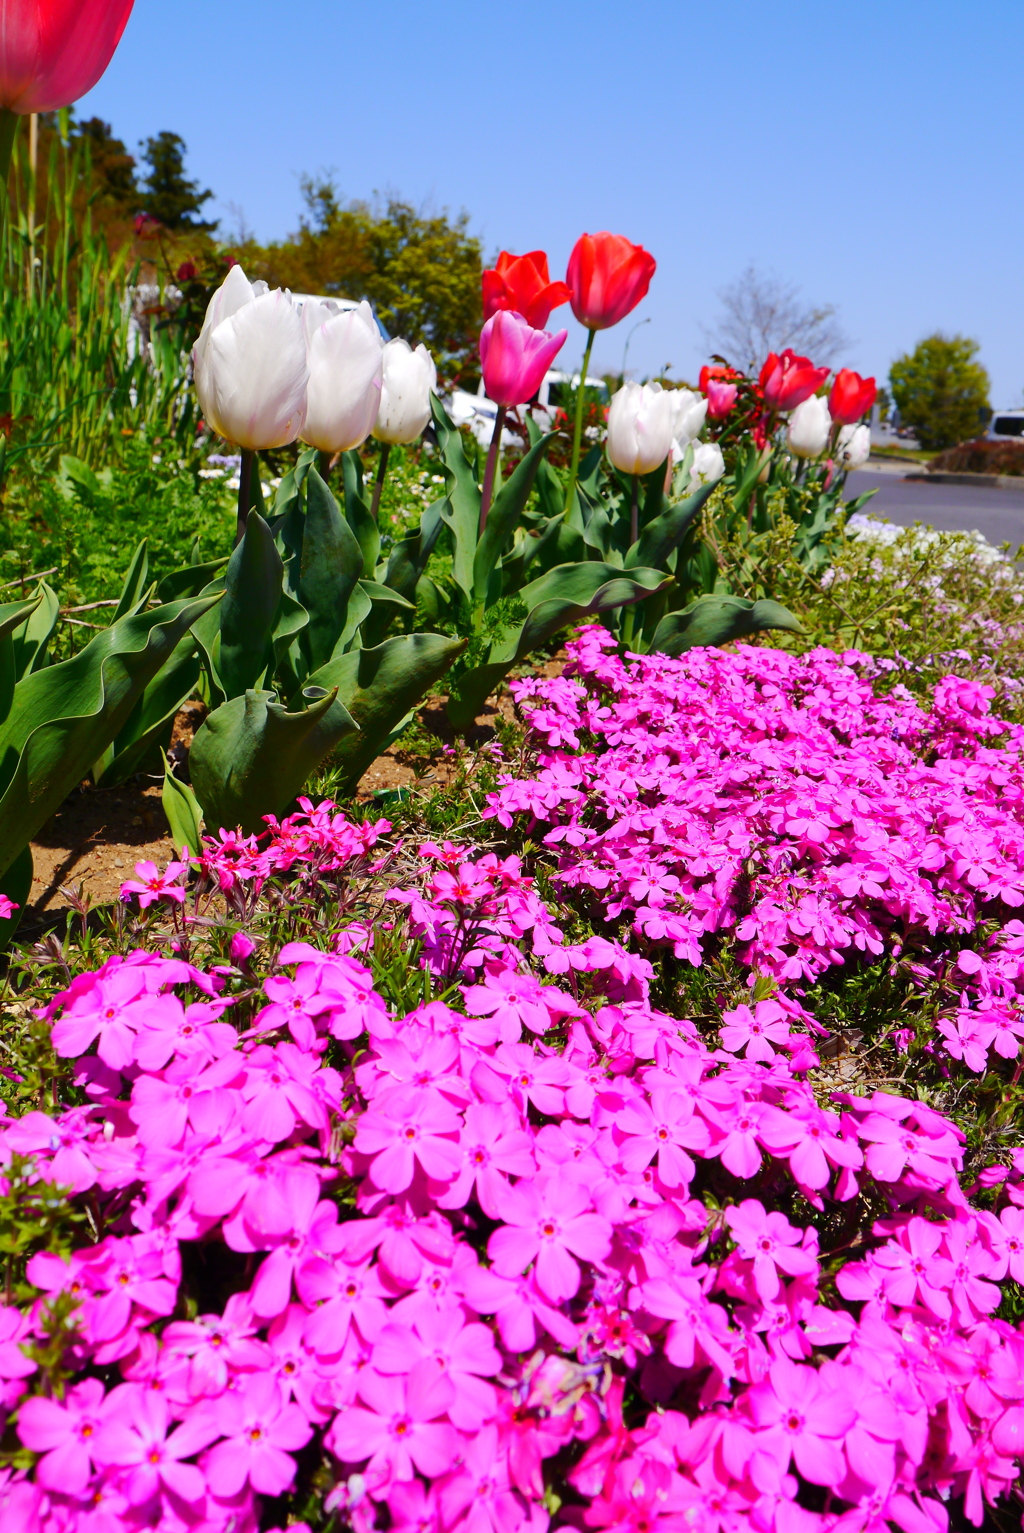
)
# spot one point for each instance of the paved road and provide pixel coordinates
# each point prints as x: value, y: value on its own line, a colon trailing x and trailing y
x: 997, y: 514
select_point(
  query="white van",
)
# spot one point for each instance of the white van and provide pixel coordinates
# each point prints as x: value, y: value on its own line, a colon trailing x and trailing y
x: 1006, y: 426
x: 478, y: 412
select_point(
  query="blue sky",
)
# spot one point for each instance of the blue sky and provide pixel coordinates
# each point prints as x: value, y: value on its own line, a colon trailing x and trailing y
x: 868, y: 153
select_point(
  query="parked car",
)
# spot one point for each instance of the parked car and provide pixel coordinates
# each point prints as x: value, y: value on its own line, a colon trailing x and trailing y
x: 1006, y: 426
x: 478, y: 412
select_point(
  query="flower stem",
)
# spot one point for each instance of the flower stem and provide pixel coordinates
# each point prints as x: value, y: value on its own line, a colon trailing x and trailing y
x: 493, y: 454
x: 382, y: 469
x: 244, y: 492
x: 634, y: 511
x: 8, y: 128
x: 577, y: 431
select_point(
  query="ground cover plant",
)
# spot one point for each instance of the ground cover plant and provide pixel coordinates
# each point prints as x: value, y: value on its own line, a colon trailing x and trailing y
x: 397, y: 1192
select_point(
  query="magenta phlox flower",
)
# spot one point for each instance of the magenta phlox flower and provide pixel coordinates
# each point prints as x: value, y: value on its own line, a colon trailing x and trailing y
x: 518, y: 1001
x: 257, y: 1192
x: 134, y: 1437
x: 396, y: 1429
x: 298, y: 1371
x: 697, y: 1326
x: 772, y: 1244
x: 163, y: 1107
x: 64, y: 1432
x: 550, y: 1222
x: 280, y: 1090
x: 663, y: 1128
x: 189, y: 1032
x: 753, y: 1031
x: 65, y: 1142
x: 419, y: 1058
x: 518, y: 1072
x: 441, y: 1346
x: 479, y: 1497
x: 207, y: 1351
x: 111, y: 1012
x: 341, y: 1296
x: 914, y: 1269
x: 295, y: 1004
x: 314, y: 1232
x: 150, y: 884
x: 493, y: 1147
x: 811, y: 1142
x: 520, y: 1310
x: 405, y: 1127
x: 895, y: 1148
x: 802, y: 1418
x: 260, y: 1431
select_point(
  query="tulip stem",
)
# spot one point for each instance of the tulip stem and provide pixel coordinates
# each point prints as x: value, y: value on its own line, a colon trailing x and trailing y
x: 8, y: 128
x: 244, y: 492
x: 493, y: 454
x: 382, y: 468
x: 577, y: 430
x: 634, y: 511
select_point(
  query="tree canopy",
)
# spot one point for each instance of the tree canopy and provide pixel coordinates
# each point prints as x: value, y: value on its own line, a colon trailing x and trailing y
x: 941, y: 390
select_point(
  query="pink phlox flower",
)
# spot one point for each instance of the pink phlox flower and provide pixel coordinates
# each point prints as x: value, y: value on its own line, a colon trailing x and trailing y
x: 915, y: 1270
x: 516, y: 1001
x: 419, y: 1058
x: 492, y: 1147
x: 396, y: 1429
x: 150, y: 885
x: 134, y: 1437
x: 313, y: 1234
x: 754, y: 1031
x: 64, y: 1432
x: 280, y: 1091
x: 111, y: 1010
x: 296, y: 1004
x: 800, y: 1416
x: 551, y: 1222
x: 479, y: 1497
x: 810, y: 1139
x: 295, y: 1367
x: 517, y: 1071
x: 519, y: 1308
x: 162, y: 1108
x: 260, y: 1431
x: 440, y: 1347
x: 62, y: 1144
x: 771, y: 1243
x: 189, y: 1032
x: 408, y: 1126
x: 204, y: 1353
x: 256, y: 1192
x: 663, y: 1127
x: 340, y: 1295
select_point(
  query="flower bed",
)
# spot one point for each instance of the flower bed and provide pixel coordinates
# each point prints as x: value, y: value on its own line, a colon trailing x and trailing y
x: 397, y: 1199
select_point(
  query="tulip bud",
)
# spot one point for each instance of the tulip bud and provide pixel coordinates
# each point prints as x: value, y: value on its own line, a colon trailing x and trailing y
x: 250, y: 364
x: 408, y: 381
x: 345, y: 372
x: 708, y: 465
x: 51, y: 55
x: 522, y: 283
x: 640, y: 425
x: 788, y: 380
x: 607, y: 277
x: 809, y: 426
x: 854, y: 447
x: 515, y: 357
x: 689, y: 411
x: 721, y: 398
x: 852, y: 396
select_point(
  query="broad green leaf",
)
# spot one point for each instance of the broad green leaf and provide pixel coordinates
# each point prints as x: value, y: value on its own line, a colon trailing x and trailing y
x: 189, y: 580
x: 330, y: 566
x: 666, y: 532
x: 252, y: 597
x: 252, y: 756
x: 460, y: 510
x: 184, y: 815
x: 563, y: 596
x: 357, y: 512
x: 715, y: 620
x: 379, y: 686
x: 148, y: 726
x: 409, y: 558
x: 16, y: 883
x: 63, y: 717
x: 134, y: 589
x: 31, y: 637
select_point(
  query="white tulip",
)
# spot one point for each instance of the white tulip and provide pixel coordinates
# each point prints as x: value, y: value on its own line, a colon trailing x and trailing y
x: 708, y: 465
x: 854, y: 446
x: 250, y: 364
x: 345, y: 369
x: 640, y: 425
x: 689, y: 411
x: 408, y: 381
x: 809, y: 426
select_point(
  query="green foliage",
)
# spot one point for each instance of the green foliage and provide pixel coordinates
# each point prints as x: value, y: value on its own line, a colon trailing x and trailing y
x: 167, y: 193
x: 940, y: 389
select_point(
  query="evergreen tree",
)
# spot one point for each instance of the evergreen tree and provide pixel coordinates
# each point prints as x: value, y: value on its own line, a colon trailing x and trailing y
x: 168, y: 195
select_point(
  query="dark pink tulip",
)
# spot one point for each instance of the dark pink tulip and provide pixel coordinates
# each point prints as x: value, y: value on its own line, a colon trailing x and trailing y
x: 53, y: 51
x: 515, y: 357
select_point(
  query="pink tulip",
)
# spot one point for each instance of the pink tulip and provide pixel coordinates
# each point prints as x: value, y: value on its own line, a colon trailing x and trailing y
x: 53, y: 51
x: 721, y: 398
x: 515, y: 357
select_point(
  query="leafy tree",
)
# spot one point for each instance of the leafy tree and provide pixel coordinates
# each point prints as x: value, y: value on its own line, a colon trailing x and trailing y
x: 168, y: 194
x: 421, y: 271
x: 113, y: 168
x: 941, y: 390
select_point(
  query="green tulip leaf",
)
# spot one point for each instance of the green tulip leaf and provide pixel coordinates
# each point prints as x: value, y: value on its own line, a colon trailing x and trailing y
x: 661, y: 536
x: 252, y: 598
x: 715, y: 620
x: 184, y: 816
x: 504, y: 515
x: 331, y: 564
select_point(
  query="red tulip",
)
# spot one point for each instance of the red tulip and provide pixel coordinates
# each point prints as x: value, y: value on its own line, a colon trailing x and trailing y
x: 788, y: 380
x: 515, y: 357
x: 718, y: 370
x: 522, y: 283
x: 607, y: 278
x: 53, y: 51
x: 852, y: 396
